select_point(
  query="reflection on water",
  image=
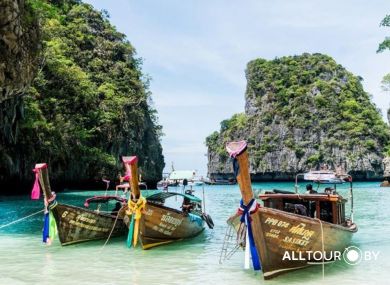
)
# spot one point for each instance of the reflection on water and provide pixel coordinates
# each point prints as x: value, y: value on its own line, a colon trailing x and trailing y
x: 25, y: 260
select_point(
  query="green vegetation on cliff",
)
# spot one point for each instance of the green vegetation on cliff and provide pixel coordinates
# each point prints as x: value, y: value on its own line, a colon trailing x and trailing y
x: 89, y: 103
x: 385, y: 45
x: 303, y: 111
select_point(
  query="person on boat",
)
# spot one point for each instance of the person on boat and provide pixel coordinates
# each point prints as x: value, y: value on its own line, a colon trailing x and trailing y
x: 309, y: 189
x: 329, y: 190
x: 115, y: 211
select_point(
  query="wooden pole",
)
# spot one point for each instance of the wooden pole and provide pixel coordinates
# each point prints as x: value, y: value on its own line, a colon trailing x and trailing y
x: 44, y: 179
x: 243, y: 178
x: 133, y: 162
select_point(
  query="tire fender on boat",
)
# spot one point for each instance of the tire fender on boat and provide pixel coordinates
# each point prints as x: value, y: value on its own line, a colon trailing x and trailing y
x: 209, y: 221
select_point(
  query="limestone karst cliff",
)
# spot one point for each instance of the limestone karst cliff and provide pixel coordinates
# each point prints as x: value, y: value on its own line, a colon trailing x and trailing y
x: 19, y: 46
x: 303, y: 112
x: 73, y: 94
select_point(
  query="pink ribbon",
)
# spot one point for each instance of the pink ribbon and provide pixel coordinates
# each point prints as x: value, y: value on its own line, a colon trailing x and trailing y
x: 236, y: 148
x: 127, y: 176
x: 36, y: 191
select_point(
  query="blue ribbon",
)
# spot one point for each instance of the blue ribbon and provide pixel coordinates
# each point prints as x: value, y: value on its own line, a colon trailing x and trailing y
x: 245, y: 218
x: 46, y: 223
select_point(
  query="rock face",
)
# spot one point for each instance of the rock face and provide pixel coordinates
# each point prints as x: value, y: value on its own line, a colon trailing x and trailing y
x: 88, y: 103
x: 19, y: 46
x: 301, y: 113
x: 386, y: 167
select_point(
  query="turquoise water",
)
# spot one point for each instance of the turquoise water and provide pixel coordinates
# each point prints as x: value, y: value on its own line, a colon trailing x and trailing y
x: 25, y: 260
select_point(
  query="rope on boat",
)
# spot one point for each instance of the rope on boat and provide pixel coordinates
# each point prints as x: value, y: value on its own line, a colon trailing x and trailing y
x: 228, y: 246
x: 135, y: 209
x: 112, y: 229
x: 21, y: 219
x: 323, y: 250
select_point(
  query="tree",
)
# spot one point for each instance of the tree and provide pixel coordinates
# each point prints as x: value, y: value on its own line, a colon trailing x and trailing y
x: 383, y: 46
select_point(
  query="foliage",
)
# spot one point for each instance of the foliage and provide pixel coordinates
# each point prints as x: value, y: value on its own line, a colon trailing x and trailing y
x: 383, y: 46
x: 89, y: 102
x: 386, y: 43
x: 235, y: 122
x: 386, y: 82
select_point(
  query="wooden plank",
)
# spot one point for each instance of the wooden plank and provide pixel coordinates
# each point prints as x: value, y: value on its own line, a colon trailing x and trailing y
x: 335, y: 213
x: 318, y: 210
x: 45, y: 183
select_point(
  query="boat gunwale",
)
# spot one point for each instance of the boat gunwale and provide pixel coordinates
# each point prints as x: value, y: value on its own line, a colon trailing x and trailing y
x: 170, y: 209
x: 102, y: 213
x: 314, y: 197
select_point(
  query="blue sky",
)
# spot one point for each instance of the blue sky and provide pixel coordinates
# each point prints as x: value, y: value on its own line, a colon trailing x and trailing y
x: 196, y: 53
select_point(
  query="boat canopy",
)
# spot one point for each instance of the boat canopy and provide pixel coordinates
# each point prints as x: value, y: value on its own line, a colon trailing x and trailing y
x: 320, y: 176
x: 182, y: 174
x: 161, y: 196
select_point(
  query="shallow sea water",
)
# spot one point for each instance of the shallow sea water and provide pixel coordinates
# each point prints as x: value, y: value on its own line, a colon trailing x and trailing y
x: 25, y: 260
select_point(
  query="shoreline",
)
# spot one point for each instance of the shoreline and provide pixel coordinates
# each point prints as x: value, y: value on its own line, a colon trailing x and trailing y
x: 74, y: 188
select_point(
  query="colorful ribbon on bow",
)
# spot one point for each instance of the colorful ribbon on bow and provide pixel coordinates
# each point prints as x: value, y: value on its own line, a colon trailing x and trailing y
x: 35, y: 193
x: 49, y: 226
x: 49, y: 230
x: 135, y: 209
x: 246, y: 211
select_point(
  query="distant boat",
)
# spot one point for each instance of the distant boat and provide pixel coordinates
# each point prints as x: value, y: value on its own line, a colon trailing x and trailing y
x: 76, y: 224
x: 220, y: 181
x: 159, y: 221
x: 179, y: 178
x: 323, y: 177
x: 289, y: 223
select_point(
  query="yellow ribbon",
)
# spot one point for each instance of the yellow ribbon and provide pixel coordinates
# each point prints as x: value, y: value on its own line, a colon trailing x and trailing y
x: 136, y: 209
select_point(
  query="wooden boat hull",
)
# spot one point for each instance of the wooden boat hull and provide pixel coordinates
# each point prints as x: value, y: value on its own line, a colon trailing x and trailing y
x: 280, y: 232
x: 76, y: 224
x: 161, y: 225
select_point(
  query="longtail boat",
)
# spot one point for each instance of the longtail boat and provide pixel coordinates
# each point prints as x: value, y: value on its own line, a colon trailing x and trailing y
x: 180, y: 178
x: 76, y: 224
x: 289, y: 225
x: 154, y: 221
